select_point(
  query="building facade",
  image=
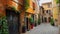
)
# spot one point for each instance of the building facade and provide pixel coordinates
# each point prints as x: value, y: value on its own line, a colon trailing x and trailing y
x: 36, y: 16
x: 56, y: 14
x: 47, y: 11
x: 18, y: 14
x: 14, y: 12
x: 41, y: 13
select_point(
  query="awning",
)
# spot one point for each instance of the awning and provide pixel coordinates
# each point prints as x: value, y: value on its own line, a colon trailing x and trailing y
x: 30, y: 10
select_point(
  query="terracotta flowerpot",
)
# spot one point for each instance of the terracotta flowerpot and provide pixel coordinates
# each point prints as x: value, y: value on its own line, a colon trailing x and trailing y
x: 32, y: 26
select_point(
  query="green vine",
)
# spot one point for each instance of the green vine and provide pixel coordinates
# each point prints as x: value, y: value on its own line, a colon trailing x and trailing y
x: 57, y: 1
x: 26, y: 4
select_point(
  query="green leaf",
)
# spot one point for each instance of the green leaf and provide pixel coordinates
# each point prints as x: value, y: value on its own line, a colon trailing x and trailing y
x: 4, y: 26
x: 57, y: 1
x: 13, y: 8
x: 31, y: 20
x: 51, y: 21
x: 26, y: 4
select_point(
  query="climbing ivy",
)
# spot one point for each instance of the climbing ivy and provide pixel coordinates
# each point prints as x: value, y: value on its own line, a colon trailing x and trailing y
x: 26, y: 4
x: 4, y: 26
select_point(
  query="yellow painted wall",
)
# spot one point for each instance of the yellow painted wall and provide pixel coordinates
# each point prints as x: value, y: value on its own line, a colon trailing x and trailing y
x: 30, y: 8
x: 55, y: 10
x: 45, y: 5
x: 55, y: 13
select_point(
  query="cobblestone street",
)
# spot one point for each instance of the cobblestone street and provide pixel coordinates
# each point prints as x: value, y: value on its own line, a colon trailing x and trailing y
x: 44, y: 28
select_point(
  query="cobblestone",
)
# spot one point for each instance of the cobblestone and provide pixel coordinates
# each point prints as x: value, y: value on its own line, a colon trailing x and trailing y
x: 44, y: 28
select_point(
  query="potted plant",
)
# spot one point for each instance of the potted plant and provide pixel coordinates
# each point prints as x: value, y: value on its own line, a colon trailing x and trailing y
x: 35, y: 24
x: 31, y: 22
x: 52, y: 22
x: 4, y: 25
x: 39, y: 21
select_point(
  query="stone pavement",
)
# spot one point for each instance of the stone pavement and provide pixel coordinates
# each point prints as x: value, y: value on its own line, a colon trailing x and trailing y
x: 44, y: 28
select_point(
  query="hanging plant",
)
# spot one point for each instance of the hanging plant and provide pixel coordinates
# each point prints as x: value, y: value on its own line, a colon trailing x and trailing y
x: 26, y: 4
x: 4, y: 26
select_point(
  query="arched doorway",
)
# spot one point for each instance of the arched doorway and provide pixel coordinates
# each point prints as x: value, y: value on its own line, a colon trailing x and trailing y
x: 45, y: 19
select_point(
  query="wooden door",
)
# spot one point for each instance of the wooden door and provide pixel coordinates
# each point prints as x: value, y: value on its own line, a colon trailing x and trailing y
x: 13, y: 22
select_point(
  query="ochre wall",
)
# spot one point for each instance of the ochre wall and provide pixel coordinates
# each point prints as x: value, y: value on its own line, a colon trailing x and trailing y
x: 3, y: 4
x: 2, y: 11
x: 22, y: 14
x: 55, y: 10
x: 30, y: 8
x: 55, y: 13
x: 45, y: 5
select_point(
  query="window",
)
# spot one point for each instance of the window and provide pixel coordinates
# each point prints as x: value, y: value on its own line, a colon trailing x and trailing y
x: 33, y: 6
x: 46, y: 11
x: 49, y: 5
x: 49, y: 11
x: 43, y: 11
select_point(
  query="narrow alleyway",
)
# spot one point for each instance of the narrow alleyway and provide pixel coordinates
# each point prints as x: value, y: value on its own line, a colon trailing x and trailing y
x: 44, y: 28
